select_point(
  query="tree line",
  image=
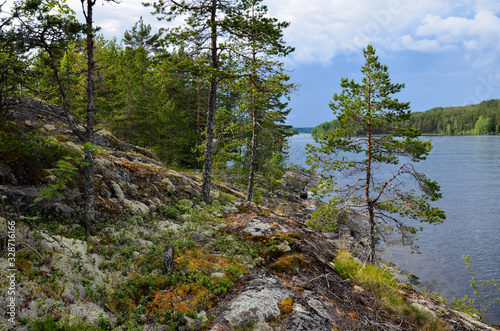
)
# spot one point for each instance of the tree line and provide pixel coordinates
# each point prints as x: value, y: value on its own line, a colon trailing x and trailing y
x: 478, y: 119
x: 210, y: 93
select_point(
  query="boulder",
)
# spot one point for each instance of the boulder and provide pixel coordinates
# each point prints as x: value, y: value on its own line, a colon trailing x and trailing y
x: 168, y: 259
x: 257, y: 303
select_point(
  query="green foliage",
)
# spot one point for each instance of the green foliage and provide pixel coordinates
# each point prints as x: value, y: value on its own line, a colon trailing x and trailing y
x: 429, y: 291
x: 324, y: 219
x: 200, y: 216
x: 64, y: 174
x: 47, y: 27
x: 483, y: 125
x: 482, y: 299
x: 382, y: 284
x: 59, y: 323
x: 29, y: 153
x: 137, y: 290
x: 366, y: 136
x: 151, y: 97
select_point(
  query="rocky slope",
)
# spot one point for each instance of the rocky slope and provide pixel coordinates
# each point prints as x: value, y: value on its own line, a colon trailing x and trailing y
x: 236, y: 265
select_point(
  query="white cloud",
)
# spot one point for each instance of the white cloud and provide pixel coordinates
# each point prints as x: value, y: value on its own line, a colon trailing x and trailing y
x: 320, y: 30
x: 424, y: 45
x: 115, y: 18
x: 455, y: 29
x: 477, y: 36
x: 323, y: 29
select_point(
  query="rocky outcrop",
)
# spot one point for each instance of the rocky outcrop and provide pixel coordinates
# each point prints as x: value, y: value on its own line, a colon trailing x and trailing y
x: 269, y: 271
x: 128, y: 179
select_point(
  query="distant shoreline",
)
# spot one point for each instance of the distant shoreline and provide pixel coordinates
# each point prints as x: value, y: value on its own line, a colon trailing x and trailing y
x: 434, y: 134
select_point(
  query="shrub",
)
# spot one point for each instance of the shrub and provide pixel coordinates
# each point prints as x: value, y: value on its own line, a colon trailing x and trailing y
x: 481, y: 300
x: 29, y: 153
x: 56, y: 323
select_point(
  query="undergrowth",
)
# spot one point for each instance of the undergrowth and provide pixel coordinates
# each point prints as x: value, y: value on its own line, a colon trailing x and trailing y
x: 382, y: 284
x: 29, y: 153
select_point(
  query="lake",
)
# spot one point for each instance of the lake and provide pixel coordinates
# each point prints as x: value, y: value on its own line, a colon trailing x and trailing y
x: 468, y: 170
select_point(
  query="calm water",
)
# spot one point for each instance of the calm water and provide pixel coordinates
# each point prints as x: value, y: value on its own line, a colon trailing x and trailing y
x: 468, y: 170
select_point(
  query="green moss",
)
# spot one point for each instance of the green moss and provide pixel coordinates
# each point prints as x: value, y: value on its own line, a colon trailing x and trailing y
x: 63, y: 138
x: 288, y: 264
x: 286, y: 306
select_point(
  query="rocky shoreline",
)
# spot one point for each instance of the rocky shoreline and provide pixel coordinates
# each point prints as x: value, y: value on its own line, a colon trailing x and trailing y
x: 236, y: 265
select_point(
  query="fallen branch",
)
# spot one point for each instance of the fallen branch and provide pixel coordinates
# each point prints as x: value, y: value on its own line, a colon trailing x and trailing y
x: 33, y: 225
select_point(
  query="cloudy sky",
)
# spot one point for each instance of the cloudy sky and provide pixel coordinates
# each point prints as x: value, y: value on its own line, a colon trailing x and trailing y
x: 447, y: 52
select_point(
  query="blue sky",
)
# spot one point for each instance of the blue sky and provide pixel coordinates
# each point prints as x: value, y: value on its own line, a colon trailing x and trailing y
x: 446, y: 52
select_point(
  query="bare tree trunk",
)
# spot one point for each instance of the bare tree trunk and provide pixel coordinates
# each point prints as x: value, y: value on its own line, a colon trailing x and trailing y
x: 129, y: 110
x: 369, y: 203
x: 89, y: 192
x: 198, y: 124
x: 253, y: 157
x: 207, y: 163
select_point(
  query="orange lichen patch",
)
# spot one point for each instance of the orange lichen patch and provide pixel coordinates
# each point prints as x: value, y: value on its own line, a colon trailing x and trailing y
x: 246, y: 207
x: 285, y: 306
x: 139, y: 169
x: 294, y: 235
x: 130, y: 166
x: 182, y: 299
x: 197, y: 287
x: 196, y: 259
x: 352, y: 315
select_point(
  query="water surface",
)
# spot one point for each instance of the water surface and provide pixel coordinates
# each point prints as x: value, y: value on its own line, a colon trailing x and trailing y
x: 468, y: 170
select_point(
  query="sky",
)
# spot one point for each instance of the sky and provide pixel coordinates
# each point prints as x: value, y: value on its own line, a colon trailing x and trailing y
x: 446, y: 52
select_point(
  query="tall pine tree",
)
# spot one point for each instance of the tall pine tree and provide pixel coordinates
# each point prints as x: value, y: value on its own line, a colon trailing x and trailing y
x: 215, y: 28
x: 367, y: 139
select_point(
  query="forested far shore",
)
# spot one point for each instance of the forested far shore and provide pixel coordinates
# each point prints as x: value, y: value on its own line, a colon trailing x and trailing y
x: 478, y: 119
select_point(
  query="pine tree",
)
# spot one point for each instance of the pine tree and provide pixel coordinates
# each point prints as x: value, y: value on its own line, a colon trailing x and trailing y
x: 216, y: 29
x: 366, y: 137
x: 89, y: 191
x: 48, y: 27
x: 263, y: 44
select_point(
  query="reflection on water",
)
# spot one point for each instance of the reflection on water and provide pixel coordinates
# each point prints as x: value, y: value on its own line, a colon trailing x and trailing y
x: 468, y: 170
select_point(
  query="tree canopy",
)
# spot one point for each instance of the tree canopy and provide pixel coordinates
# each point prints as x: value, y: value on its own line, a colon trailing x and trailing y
x: 162, y: 90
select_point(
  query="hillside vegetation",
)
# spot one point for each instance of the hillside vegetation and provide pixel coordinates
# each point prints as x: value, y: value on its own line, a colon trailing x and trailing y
x: 162, y: 259
x: 482, y: 118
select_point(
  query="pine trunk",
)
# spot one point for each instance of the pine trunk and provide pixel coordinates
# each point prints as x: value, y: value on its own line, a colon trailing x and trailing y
x: 89, y: 192
x: 198, y: 124
x: 253, y: 157
x: 207, y: 162
x: 369, y: 203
